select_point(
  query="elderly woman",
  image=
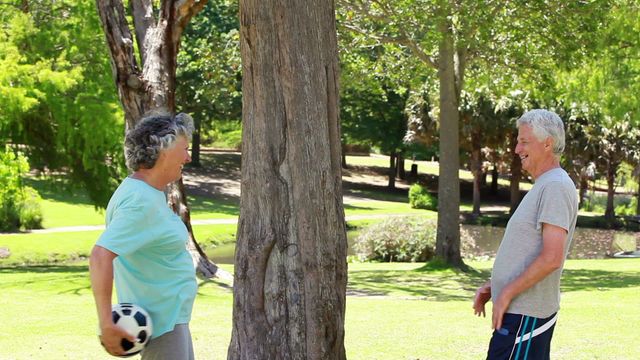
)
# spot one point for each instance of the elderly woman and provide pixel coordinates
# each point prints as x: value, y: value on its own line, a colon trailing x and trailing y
x: 144, y: 245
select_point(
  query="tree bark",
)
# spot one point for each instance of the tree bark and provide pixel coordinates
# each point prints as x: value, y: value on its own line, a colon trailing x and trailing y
x: 401, y: 173
x: 609, y: 212
x: 391, y: 184
x: 291, y: 271
x: 448, y: 233
x: 151, y: 87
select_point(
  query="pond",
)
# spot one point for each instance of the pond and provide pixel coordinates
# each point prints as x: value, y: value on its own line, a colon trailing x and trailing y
x: 483, y: 241
x: 587, y: 243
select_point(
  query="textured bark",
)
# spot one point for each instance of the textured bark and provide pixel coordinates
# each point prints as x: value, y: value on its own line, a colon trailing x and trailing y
x: 476, y: 170
x: 391, y: 184
x: 448, y: 235
x: 290, y: 272
x: 151, y: 87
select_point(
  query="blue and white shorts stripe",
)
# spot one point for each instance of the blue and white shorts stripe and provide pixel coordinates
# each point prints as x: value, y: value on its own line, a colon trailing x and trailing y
x: 522, y: 337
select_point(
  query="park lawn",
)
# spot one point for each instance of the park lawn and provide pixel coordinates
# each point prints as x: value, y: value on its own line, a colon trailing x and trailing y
x: 420, y: 314
x: 56, y: 247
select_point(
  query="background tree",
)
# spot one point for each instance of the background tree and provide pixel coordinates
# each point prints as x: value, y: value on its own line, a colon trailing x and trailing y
x: 56, y: 97
x: 209, y: 78
x: 609, y: 82
x: 290, y: 260
x: 453, y: 37
x: 150, y: 85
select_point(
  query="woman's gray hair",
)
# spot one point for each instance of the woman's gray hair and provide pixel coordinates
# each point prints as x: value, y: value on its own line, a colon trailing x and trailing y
x: 544, y: 124
x: 153, y: 134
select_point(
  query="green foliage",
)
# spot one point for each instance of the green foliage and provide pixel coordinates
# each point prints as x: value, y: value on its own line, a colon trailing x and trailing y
x: 628, y: 207
x: 209, y: 72
x: 57, y: 95
x: 401, y: 239
x: 19, y: 203
x: 421, y: 198
x: 224, y: 134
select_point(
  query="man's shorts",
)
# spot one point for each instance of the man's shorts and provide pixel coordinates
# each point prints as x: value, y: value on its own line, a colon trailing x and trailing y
x: 522, y: 337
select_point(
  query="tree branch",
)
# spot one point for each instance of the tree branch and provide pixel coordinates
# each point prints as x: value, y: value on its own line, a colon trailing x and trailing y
x: 143, y: 19
x: 388, y: 13
x: 119, y: 37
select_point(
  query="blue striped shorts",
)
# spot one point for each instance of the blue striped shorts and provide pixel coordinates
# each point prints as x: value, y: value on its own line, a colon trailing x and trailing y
x: 522, y: 337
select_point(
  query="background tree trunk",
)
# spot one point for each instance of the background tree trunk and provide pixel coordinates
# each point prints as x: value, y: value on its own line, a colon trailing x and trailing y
x: 151, y: 87
x: 476, y: 170
x: 494, y: 179
x: 391, y: 184
x: 401, y: 173
x: 609, y: 212
x: 448, y: 235
x: 291, y: 271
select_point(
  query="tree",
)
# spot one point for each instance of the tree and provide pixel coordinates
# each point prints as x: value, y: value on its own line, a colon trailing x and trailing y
x: 150, y: 86
x: 453, y: 38
x: 290, y: 260
x: 608, y: 83
x: 56, y: 98
x: 208, y: 78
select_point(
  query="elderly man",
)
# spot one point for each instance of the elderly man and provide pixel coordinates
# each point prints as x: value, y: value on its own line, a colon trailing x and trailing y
x: 525, y: 281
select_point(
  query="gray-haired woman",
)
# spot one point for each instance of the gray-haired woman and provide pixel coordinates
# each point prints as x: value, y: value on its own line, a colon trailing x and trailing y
x: 143, y: 247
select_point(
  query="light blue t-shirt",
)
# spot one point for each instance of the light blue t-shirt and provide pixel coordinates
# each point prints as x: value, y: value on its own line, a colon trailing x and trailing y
x: 153, y: 269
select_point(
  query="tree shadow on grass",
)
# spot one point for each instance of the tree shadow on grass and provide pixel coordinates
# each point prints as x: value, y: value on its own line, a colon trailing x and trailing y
x: 455, y: 285
x: 446, y: 285
x: 581, y: 279
x: 58, y: 279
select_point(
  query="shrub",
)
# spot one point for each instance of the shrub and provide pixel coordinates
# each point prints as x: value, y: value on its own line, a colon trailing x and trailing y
x: 403, y: 239
x: 420, y: 198
x: 19, y: 204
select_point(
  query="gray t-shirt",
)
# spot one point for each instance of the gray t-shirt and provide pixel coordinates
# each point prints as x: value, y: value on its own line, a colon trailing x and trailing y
x: 552, y: 200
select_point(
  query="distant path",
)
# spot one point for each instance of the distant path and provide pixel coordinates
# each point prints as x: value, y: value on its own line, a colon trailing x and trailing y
x: 193, y: 222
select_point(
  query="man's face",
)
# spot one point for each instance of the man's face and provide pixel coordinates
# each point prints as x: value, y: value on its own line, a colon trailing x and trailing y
x: 534, y: 154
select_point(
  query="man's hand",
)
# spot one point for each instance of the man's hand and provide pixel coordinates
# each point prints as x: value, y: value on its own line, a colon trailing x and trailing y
x: 500, y: 307
x: 111, y: 338
x: 483, y: 295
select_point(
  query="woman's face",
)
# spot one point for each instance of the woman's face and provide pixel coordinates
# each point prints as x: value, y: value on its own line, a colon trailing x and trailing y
x: 171, y: 160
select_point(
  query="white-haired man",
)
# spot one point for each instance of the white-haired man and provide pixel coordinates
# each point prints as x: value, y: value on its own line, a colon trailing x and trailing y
x: 525, y: 281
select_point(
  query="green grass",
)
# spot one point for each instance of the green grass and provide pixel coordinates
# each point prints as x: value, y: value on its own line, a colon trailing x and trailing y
x: 407, y: 313
x: 47, y: 248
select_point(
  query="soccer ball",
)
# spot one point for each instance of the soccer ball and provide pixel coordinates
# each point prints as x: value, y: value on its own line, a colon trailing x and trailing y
x: 136, y: 321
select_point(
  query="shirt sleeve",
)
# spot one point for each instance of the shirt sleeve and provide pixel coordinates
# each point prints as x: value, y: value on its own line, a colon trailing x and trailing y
x: 129, y: 228
x: 556, y: 206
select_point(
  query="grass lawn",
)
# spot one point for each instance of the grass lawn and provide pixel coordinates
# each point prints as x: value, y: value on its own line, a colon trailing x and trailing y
x: 400, y: 312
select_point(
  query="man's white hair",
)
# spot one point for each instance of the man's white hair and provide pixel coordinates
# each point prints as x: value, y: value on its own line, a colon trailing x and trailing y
x: 544, y: 124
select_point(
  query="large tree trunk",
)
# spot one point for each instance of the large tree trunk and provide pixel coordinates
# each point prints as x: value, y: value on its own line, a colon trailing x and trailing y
x: 151, y: 87
x: 290, y: 260
x: 448, y: 234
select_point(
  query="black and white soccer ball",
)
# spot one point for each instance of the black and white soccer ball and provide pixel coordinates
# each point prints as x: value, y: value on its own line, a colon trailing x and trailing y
x: 137, y: 322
